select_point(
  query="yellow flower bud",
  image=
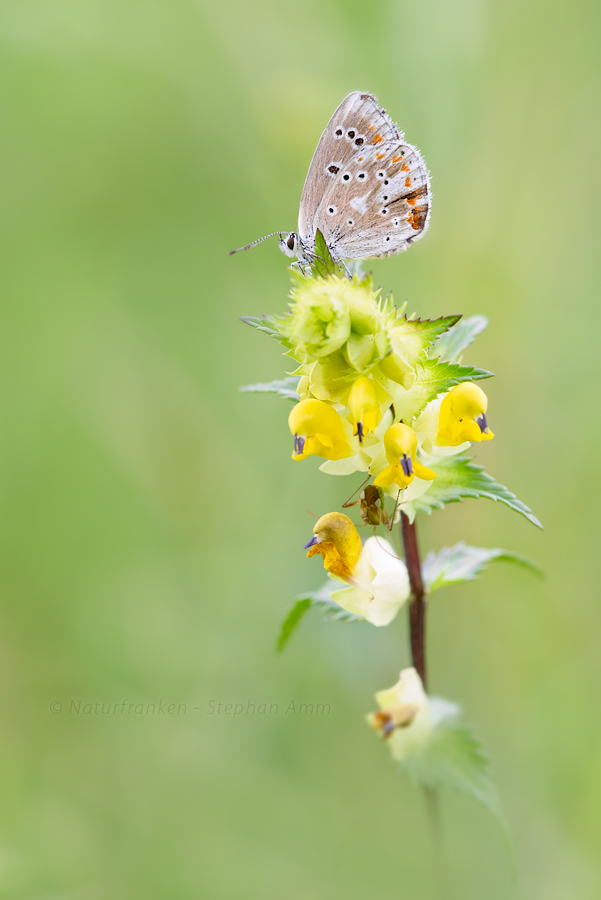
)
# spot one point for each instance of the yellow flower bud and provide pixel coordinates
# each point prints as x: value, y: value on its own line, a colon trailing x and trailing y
x: 318, y: 431
x: 364, y: 405
x: 337, y: 540
x: 400, y: 445
x: 463, y: 416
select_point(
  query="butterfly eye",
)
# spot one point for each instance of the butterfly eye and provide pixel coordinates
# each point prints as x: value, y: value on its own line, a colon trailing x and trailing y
x: 385, y: 197
x: 384, y: 211
x: 386, y: 181
x: 361, y: 176
x: 331, y: 210
x: 338, y: 133
x: 346, y: 176
x: 359, y: 141
x: 380, y: 174
x: 351, y: 222
x: 291, y: 241
x: 351, y: 134
x: 333, y: 169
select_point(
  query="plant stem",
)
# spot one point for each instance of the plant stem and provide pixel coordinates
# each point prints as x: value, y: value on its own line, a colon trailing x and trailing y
x: 417, y: 604
x: 417, y: 622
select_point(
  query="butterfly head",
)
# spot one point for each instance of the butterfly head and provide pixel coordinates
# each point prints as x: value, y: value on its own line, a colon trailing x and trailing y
x: 289, y: 244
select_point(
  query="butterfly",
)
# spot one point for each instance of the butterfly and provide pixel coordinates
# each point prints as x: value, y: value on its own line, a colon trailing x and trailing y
x: 367, y: 190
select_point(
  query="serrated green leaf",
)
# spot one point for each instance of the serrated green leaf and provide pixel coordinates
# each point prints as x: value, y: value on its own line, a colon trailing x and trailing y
x: 323, y: 264
x: 455, y: 565
x: 284, y: 387
x: 452, y: 344
x: 457, y: 478
x: 412, y: 337
x: 454, y: 757
x: 266, y: 325
x: 331, y: 612
x: 433, y: 377
x: 319, y: 600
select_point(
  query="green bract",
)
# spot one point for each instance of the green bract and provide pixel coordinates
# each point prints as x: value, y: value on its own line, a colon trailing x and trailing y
x: 330, y: 314
x: 319, y: 322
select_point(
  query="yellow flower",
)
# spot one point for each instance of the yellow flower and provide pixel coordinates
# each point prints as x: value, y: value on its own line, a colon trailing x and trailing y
x: 318, y: 431
x: 338, y: 541
x: 463, y: 416
x: 364, y: 404
x: 399, y: 715
x: 400, y: 445
x: 406, y: 717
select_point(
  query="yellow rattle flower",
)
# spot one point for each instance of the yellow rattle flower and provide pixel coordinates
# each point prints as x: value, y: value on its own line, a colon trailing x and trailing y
x: 364, y: 404
x: 318, y: 431
x: 399, y: 715
x: 463, y: 416
x: 338, y: 541
x: 400, y: 445
x: 405, y: 718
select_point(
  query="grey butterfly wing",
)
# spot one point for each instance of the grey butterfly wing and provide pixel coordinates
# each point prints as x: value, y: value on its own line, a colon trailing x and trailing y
x: 382, y: 210
x: 367, y: 190
x: 335, y: 148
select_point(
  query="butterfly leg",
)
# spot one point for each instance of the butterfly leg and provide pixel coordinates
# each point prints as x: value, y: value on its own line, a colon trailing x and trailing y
x: 347, y: 270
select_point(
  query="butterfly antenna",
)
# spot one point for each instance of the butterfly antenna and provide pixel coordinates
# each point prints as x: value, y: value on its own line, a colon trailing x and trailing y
x: 254, y: 243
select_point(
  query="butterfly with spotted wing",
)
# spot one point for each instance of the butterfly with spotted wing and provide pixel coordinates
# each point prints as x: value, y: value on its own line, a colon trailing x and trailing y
x: 367, y: 190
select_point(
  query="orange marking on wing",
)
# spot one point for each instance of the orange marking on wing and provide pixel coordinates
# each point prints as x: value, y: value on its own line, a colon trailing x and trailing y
x: 413, y: 219
x: 411, y: 202
x: 380, y: 155
x: 396, y: 159
x: 407, y: 181
x: 371, y: 127
x: 377, y: 139
x: 405, y: 168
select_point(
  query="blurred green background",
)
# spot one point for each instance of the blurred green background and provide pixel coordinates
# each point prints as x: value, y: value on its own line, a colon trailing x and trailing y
x: 152, y: 520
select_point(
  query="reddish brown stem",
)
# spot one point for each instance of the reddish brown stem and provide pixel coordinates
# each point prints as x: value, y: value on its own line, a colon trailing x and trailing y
x: 417, y: 622
x: 417, y: 603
